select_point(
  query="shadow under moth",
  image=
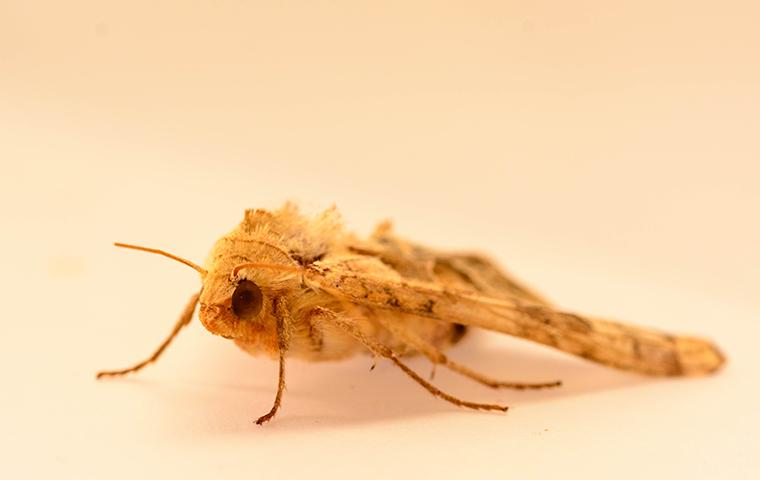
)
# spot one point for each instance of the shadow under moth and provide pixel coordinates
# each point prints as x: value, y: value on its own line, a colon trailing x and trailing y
x: 283, y: 284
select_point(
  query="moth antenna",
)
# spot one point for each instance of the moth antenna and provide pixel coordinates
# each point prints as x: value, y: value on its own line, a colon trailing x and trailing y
x: 271, y: 266
x: 190, y: 264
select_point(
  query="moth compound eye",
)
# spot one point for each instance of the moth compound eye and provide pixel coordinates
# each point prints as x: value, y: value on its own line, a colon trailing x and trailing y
x: 247, y: 300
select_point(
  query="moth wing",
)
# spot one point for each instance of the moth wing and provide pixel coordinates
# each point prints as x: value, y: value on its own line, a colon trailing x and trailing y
x: 611, y: 343
x: 470, y: 272
x: 483, y: 275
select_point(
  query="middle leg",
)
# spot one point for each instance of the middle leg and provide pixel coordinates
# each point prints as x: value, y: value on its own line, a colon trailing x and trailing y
x: 410, y: 338
x: 381, y: 350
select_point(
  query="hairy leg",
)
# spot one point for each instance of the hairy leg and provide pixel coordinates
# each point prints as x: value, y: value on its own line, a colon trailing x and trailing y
x: 283, y: 340
x: 438, y: 358
x: 184, y: 319
x: 381, y: 350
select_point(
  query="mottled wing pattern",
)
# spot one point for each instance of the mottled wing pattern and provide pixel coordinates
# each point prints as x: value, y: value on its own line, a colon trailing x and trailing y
x: 468, y: 272
x: 484, y: 276
x: 472, y: 291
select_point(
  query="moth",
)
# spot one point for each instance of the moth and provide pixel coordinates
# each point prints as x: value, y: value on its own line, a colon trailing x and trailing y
x: 282, y: 284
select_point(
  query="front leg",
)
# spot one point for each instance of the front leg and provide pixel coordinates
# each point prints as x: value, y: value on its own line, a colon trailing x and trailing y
x: 184, y: 319
x: 282, y: 314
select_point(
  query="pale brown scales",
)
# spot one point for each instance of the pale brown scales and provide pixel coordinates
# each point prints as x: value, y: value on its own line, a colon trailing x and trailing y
x: 321, y: 293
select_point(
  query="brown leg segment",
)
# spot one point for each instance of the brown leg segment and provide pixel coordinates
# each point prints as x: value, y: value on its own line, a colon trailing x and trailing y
x: 379, y: 349
x: 438, y: 358
x: 184, y: 319
x: 283, y: 340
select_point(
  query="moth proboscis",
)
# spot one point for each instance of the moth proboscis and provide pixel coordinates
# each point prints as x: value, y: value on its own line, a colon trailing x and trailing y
x: 283, y: 284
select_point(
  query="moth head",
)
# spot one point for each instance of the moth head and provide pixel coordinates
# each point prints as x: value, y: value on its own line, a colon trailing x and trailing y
x: 237, y: 299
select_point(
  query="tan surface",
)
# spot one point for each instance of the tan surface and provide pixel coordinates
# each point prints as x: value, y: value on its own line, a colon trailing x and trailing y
x: 607, y: 154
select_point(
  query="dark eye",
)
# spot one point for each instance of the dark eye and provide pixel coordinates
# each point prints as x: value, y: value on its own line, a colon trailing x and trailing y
x: 247, y: 300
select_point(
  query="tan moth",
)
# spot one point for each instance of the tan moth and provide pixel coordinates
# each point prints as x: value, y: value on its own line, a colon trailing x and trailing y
x: 286, y: 285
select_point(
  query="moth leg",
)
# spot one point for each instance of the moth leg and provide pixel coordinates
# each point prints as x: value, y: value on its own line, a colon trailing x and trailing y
x: 283, y: 341
x: 438, y: 358
x: 184, y: 319
x: 381, y: 350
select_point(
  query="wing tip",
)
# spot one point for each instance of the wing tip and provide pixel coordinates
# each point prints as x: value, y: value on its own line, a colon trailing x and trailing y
x: 698, y: 356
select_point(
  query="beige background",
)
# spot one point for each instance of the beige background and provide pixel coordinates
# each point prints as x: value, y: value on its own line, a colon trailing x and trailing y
x: 606, y: 152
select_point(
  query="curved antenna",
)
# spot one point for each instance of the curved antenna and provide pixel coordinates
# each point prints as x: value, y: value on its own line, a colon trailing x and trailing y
x: 269, y: 245
x: 271, y: 266
x: 190, y: 264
